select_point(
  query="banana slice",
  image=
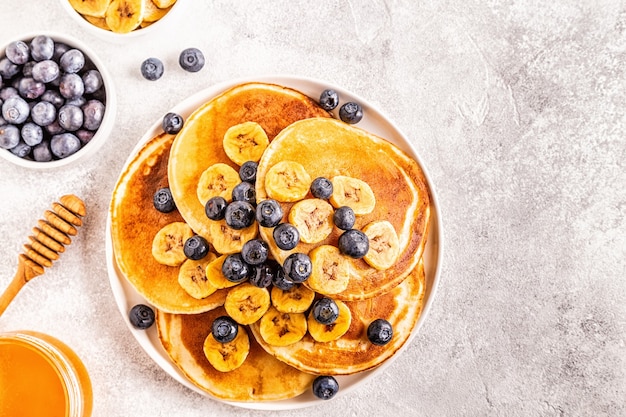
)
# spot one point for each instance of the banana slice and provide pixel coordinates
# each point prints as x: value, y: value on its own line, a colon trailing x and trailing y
x: 354, y: 193
x: 247, y: 303
x: 168, y: 243
x: 287, y: 181
x: 313, y: 217
x: 329, y: 332
x: 384, y: 244
x: 162, y: 4
x: 124, y: 16
x: 192, y: 277
x: 229, y: 356
x: 215, y: 276
x: 331, y: 270
x: 217, y: 180
x: 153, y: 12
x: 296, y: 300
x: 99, y: 22
x: 245, y: 142
x: 95, y: 8
x: 282, y: 329
x: 227, y: 240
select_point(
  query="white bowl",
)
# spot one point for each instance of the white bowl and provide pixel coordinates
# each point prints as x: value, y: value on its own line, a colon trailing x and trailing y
x: 101, y: 134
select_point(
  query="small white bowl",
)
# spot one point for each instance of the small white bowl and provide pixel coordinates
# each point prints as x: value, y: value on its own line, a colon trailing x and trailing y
x: 108, y: 120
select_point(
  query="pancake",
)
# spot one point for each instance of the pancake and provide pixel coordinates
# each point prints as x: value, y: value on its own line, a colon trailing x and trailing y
x: 135, y: 222
x: 328, y: 148
x: 199, y: 143
x: 353, y: 352
x: 261, y: 377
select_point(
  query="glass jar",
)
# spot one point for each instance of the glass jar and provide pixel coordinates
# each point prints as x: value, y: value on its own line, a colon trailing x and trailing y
x: 40, y: 375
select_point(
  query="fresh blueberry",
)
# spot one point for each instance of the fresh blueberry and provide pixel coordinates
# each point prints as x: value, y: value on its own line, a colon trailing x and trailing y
x: 29, y: 88
x: 325, y: 387
x: 380, y: 332
x: 41, y: 48
x: 15, y: 110
x: 41, y: 152
x: 235, y: 269
x: 254, y: 252
x: 54, y: 128
x: 8, y: 92
x: 269, y: 213
x: 152, y: 69
x: 18, y: 52
x: 325, y: 310
x: 92, y: 80
x: 172, y: 123
x: 8, y: 69
x: 329, y: 99
x: 321, y: 187
x: 353, y: 243
x: 93, y: 111
x: 9, y: 136
x: 281, y: 281
x: 244, y: 191
x: 64, y: 145
x: 53, y: 97
x: 43, y: 113
x: 163, y: 200
x: 247, y: 171
x: 224, y: 329
x: 70, y: 117
x: 351, y: 112
x: 76, y: 101
x: 27, y: 69
x: 263, y: 275
x: 32, y: 134
x: 344, y: 218
x: 72, y: 61
x: 59, y: 49
x: 191, y: 59
x: 215, y: 208
x: 239, y: 215
x: 84, y: 135
x: 45, y: 71
x: 286, y: 236
x: 71, y: 86
x: 298, y: 267
x: 22, y: 150
x: 141, y: 316
x: 196, y: 247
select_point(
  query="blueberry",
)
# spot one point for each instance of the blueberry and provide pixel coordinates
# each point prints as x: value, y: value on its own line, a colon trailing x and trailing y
x: 21, y: 149
x: 46, y: 71
x: 59, y: 49
x: 54, y: 128
x: 325, y: 311
x: 280, y: 280
x: 298, y: 267
x: 329, y: 99
x: 263, y: 275
x: 215, y: 208
x: 92, y: 80
x: 353, y: 243
x: 32, y: 134
x: 244, y: 191
x: 9, y: 136
x: 70, y: 117
x: 286, y: 236
x: 15, y: 110
x: 72, y: 61
x: 71, y: 85
x: 254, y: 252
x: 8, y: 69
x: 247, y: 171
x: 321, y: 187
x: 224, y: 329
x: 196, y: 247
x: 239, y: 215
x: 351, y: 112
x: 18, y: 52
x: 152, y: 69
x: 41, y: 152
x: 163, y: 200
x: 269, y: 213
x: 84, y: 135
x: 141, y: 316
x: 172, y: 123
x: 93, y: 112
x: 76, y: 101
x: 191, y: 59
x: 235, y: 269
x: 344, y: 218
x: 27, y: 68
x: 30, y: 89
x: 380, y: 332
x: 325, y: 387
x: 53, y: 97
x: 43, y: 113
x: 41, y: 48
x: 8, y: 92
x: 64, y: 144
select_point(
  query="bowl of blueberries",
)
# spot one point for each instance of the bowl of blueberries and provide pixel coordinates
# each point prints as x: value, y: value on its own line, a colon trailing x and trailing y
x: 57, y: 101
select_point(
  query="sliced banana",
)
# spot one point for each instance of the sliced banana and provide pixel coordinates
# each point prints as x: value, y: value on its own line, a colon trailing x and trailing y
x: 226, y: 357
x: 217, y: 180
x: 245, y: 142
x: 192, y: 277
x: 215, y: 276
x: 124, y: 16
x: 95, y: 8
x: 354, y: 193
x: 384, y: 244
x: 162, y: 4
x: 153, y: 12
x: 313, y: 217
x: 168, y: 243
x: 331, y: 270
x: 227, y: 240
x: 287, y: 181
x: 282, y: 329
x: 329, y: 332
x: 247, y: 303
x: 298, y: 299
x: 99, y: 22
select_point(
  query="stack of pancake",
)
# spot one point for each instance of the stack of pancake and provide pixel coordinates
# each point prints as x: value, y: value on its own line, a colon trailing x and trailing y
x: 298, y: 130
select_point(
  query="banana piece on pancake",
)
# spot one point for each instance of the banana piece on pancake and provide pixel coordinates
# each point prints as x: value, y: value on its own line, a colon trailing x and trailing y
x: 353, y: 352
x: 134, y: 224
x: 395, y: 192
x: 261, y: 377
x: 199, y: 144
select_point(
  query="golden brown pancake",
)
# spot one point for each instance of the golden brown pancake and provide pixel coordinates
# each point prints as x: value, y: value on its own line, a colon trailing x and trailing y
x: 261, y: 377
x: 135, y: 222
x: 353, y: 352
x: 329, y: 147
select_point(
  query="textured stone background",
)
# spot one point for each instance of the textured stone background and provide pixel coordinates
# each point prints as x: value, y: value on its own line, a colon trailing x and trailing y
x: 517, y: 110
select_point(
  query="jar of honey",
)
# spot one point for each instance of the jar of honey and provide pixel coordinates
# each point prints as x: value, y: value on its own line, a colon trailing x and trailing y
x: 41, y: 376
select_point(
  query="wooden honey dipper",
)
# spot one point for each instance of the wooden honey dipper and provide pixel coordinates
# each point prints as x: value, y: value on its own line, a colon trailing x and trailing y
x: 49, y: 239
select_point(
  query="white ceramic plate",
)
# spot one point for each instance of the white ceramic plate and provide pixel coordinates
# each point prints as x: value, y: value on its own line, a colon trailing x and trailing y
x: 374, y: 122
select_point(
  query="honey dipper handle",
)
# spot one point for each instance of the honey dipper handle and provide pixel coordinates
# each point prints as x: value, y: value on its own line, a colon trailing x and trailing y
x: 11, y: 291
